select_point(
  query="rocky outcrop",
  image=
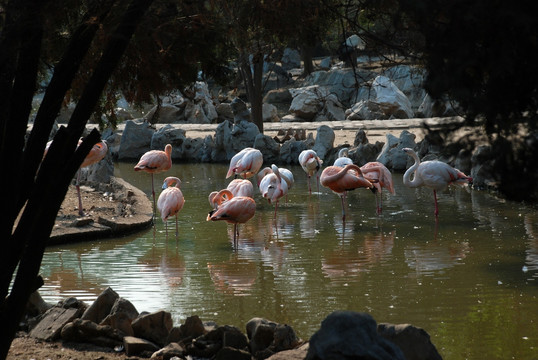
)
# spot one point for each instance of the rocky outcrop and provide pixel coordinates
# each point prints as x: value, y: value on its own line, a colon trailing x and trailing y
x: 343, y: 334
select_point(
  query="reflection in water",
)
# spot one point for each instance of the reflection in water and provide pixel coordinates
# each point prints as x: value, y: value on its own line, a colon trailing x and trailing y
x: 234, y: 276
x: 476, y: 266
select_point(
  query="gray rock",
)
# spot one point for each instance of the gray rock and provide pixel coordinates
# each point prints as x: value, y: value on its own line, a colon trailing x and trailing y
x: 290, y: 150
x: 324, y: 141
x: 135, y: 139
x: 351, y: 335
x: 154, y: 327
x: 269, y: 148
x: 414, y: 342
x: 136, y: 346
x: 101, y: 306
x: 169, y: 351
x: 169, y: 135
x: 392, y: 155
x: 50, y: 326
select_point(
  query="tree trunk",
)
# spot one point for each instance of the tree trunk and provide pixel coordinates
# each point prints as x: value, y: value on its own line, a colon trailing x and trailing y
x: 54, y: 177
x: 308, y: 64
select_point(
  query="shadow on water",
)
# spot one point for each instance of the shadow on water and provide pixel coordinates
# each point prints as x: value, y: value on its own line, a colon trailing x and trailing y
x: 469, y: 278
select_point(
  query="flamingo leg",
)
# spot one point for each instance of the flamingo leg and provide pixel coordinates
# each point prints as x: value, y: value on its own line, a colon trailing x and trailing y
x: 153, y: 194
x: 276, y: 207
x: 235, y: 235
x: 77, y: 185
x: 309, y: 186
x: 342, y: 198
x: 436, y: 212
x: 166, y: 228
x: 177, y: 232
x: 317, y: 181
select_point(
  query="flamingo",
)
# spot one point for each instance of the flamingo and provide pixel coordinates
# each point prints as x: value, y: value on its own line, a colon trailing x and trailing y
x: 343, y: 158
x: 154, y: 162
x: 341, y: 180
x: 273, y: 186
x: 286, y: 174
x: 377, y: 171
x: 96, y: 154
x: 170, y: 200
x: 311, y: 163
x: 234, y: 210
x: 245, y: 163
x: 433, y: 174
x: 241, y: 187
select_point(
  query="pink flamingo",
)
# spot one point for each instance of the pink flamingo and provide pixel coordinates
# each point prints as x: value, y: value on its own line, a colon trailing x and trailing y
x: 245, y: 163
x: 377, y: 171
x: 170, y: 200
x: 96, y: 154
x: 433, y: 174
x: 286, y: 174
x: 241, y: 187
x: 154, y: 162
x: 341, y: 180
x: 311, y: 163
x: 233, y: 210
x: 273, y: 186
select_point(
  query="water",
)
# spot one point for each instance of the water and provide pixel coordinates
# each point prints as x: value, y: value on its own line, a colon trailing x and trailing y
x: 469, y: 279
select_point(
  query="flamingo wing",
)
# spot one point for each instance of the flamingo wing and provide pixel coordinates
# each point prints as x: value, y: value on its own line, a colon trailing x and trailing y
x: 170, y: 202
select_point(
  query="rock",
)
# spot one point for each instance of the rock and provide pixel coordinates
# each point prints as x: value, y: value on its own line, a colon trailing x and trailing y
x: 270, y: 113
x: 414, y: 342
x: 324, y: 141
x: 101, y: 306
x: 315, y: 103
x: 154, y: 327
x: 232, y: 138
x: 136, y: 346
x: 169, y: 351
x: 240, y: 111
x: 122, y: 305
x: 169, y: 135
x: 135, y: 139
x: 391, y: 99
x: 50, y: 326
x: 36, y: 305
x: 260, y: 332
x: 392, y: 155
x: 86, y: 331
x: 284, y: 338
x: 293, y: 354
x: 193, y: 327
x: 278, y: 96
x: 209, y: 344
x: 351, y: 335
x: 230, y: 353
x: 290, y: 150
x: 119, y: 321
x: 269, y: 148
x: 291, y: 58
x: 482, y: 172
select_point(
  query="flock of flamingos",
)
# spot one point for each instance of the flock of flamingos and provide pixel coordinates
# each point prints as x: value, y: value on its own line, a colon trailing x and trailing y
x: 236, y: 205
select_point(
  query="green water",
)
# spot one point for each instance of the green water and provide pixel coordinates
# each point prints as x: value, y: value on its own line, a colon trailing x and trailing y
x: 469, y: 279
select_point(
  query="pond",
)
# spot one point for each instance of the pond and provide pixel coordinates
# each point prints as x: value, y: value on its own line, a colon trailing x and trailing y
x: 469, y: 279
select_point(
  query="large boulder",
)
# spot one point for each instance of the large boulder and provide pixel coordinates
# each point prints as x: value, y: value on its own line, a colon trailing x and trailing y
x: 413, y: 341
x: 351, y: 335
x: 135, y: 139
x: 392, y: 155
x: 324, y: 141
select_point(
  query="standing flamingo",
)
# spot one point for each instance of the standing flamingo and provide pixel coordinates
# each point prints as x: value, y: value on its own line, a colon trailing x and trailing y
x: 286, y: 174
x: 341, y: 180
x: 245, y: 163
x: 433, y: 174
x: 273, y: 186
x: 377, y: 171
x: 311, y: 163
x: 170, y: 200
x: 96, y: 154
x: 234, y: 210
x: 154, y: 162
x: 343, y: 158
x: 241, y: 187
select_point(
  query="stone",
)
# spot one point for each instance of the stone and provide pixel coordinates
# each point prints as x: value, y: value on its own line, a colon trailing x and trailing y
x: 169, y: 135
x: 101, y: 307
x: 269, y: 148
x: 120, y: 321
x: 260, y: 333
x: 392, y: 155
x: 298, y: 353
x: 86, y: 331
x: 135, y: 139
x: 392, y: 100
x: 155, y: 326
x: 324, y: 141
x: 351, y: 335
x: 284, y: 338
x: 290, y: 150
x: 230, y: 353
x: 169, y: 351
x: 193, y: 327
x: 413, y: 341
x: 50, y: 326
x: 291, y: 58
x: 136, y: 346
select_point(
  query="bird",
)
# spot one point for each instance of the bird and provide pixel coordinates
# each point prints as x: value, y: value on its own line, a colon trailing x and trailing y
x: 245, y: 163
x: 273, y: 186
x: 154, y: 162
x: 286, y: 174
x: 433, y: 174
x: 311, y: 163
x: 170, y: 200
x: 96, y: 154
x: 241, y: 187
x: 340, y: 180
x: 343, y: 158
x: 378, y: 171
x: 233, y: 210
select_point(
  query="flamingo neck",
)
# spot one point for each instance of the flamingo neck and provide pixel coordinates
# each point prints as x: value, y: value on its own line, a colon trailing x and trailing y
x: 416, y: 182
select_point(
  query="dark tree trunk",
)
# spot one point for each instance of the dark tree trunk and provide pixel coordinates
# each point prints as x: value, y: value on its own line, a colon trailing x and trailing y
x: 253, y: 83
x: 55, y: 173
x: 308, y: 64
